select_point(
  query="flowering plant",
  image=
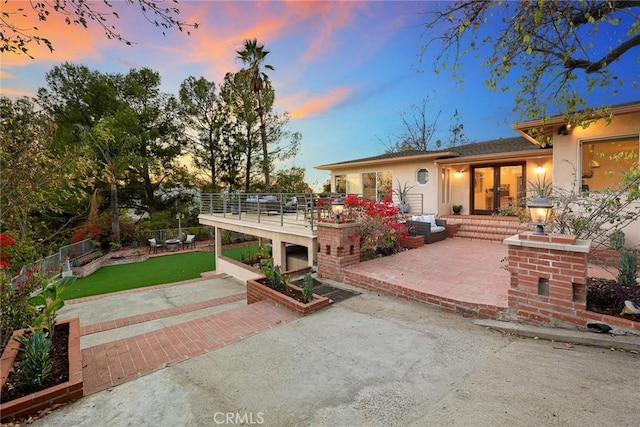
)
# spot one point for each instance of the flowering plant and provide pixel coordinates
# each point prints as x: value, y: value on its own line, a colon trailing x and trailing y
x: 379, y: 230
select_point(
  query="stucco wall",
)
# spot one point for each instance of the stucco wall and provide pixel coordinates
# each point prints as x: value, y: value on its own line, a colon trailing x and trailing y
x: 566, y: 154
x: 405, y: 172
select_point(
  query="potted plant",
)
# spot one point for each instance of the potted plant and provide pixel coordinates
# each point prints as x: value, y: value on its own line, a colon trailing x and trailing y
x: 456, y: 209
x: 403, y: 192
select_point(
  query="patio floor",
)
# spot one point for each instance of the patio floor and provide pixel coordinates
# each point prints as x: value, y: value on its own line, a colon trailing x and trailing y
x: 459, y: 274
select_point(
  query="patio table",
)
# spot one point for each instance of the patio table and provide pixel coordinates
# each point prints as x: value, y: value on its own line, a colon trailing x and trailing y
x: 173, y: 245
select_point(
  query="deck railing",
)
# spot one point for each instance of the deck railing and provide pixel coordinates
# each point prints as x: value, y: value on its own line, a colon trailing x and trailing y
x: 281, y: 208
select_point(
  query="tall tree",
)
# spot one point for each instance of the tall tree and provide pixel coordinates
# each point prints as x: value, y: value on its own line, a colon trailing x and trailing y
x: 207, y: 124
x: 77, y: 98
x: 253, y: 55
x: 237, y: 94
x: 113, y: 155
x: 418, y: 129
x: 291, y: 180
x: 37, y: 177
x: 150, y: 118
x: 18, y: 29
x: 554, y: 48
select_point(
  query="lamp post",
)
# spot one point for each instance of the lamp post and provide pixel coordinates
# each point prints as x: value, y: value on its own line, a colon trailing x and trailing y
x: 337, y: 207
x: 540, y: 210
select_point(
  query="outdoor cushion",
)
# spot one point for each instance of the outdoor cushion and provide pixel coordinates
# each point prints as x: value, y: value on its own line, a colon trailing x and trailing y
x: 436, y: 228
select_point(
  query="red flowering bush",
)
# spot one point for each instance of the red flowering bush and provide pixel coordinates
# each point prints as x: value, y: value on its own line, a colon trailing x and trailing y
x: 14, y: 301
x: 379, y: 230
x: 5, y: 241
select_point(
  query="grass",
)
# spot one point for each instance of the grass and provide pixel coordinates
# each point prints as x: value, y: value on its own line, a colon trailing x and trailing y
x: 154, y: 271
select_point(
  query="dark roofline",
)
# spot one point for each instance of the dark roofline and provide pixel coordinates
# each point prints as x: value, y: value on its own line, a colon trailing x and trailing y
x: 494, y: 146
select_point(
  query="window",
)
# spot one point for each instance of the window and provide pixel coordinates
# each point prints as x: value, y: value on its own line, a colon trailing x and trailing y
x: 376, y: 185
x: 341, y: 184
x: 445, y: 186
x: 603, y: 161
x: 422, y: 176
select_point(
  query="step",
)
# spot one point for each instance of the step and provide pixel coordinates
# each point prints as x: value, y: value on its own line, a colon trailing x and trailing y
x: 485, y: 228
x: 135, y: 325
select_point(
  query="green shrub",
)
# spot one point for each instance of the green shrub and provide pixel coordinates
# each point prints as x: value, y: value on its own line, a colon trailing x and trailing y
x: 616, y: 240
x: 14, y: 306
x: 628, y: 268
x: 307, y: 288
x: 35, y: 368
x: 47, y: 304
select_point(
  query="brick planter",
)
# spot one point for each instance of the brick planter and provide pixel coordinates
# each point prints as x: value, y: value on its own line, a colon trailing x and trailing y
x: 61, y: 393
x: 258, y: 291
x: 412, y: 242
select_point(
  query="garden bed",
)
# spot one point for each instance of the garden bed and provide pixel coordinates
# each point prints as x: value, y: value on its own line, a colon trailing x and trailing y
x: 257, y: 290
x: 66, y: 384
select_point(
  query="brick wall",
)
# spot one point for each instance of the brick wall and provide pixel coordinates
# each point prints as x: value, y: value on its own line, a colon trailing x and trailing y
x: 549, y: 282
x: 338, y: 247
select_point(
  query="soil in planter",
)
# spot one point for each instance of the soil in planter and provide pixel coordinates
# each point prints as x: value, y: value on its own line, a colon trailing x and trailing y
x: 59, y: 356
x: 607, y: 297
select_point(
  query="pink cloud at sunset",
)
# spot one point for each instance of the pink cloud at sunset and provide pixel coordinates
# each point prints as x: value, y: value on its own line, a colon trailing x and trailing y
x: 70, y: 42
x: 319, y: 103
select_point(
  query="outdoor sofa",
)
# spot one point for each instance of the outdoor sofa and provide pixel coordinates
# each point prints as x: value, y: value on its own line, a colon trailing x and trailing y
x: 266, y: 205
x: 432, y: 228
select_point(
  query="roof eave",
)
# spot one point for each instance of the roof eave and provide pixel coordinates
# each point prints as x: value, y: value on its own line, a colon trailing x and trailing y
x: 361, y: 163
x: 538, y: 152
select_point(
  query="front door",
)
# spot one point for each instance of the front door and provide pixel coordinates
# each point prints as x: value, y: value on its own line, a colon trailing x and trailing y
x: 496, y: 187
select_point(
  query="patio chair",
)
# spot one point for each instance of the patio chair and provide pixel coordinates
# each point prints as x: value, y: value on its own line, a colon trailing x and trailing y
x: 432, y: 228
x: 190, y: 241
x: 154, y: 246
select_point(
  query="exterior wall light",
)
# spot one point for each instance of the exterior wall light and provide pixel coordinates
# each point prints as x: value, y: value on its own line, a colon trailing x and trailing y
x: 337, y: 207
x: 540, y: 211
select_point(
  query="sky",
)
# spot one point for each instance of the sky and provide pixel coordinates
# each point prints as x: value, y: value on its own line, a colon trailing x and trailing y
x: 345, y: 71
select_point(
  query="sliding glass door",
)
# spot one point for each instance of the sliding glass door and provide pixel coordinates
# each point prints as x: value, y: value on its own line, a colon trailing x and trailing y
x: 496, y: 187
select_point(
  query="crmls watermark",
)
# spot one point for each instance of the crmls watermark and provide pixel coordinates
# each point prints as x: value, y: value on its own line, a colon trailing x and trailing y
x: 231, y: 418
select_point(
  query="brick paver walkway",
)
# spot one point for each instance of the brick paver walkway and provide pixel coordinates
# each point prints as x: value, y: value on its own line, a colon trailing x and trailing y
x: 155, y: 315
x: 117, y: 362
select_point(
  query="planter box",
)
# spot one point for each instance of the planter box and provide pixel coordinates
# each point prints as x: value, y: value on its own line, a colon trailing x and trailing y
x: 412, y: 242
x: 61, y: 393
x: 452, y: 229
x: 258, y: 291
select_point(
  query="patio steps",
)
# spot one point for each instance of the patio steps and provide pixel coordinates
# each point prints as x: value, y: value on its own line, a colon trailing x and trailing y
x: 486, y: 228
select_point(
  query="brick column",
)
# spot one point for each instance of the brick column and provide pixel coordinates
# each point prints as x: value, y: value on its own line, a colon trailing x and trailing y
x: 548, y: 278
x: 338, y: 247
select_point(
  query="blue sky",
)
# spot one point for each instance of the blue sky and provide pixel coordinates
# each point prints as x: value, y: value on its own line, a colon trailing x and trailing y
x: 345, y: 71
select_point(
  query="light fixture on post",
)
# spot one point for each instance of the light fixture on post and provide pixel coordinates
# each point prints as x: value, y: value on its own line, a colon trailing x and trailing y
x: 540, y: 210
x: 337, y: 207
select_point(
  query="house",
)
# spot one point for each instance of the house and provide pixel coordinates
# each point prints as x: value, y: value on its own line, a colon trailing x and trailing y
x: 494, y: 175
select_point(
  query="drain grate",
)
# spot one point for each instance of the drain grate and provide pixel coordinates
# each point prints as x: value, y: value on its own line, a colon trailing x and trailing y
x: 336, y: 294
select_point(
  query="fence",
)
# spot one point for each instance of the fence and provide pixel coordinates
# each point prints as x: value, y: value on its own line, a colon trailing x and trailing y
x: 51, y: 266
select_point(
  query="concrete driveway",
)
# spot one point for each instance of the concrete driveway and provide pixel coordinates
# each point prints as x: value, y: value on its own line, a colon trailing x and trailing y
x: 376, y: 361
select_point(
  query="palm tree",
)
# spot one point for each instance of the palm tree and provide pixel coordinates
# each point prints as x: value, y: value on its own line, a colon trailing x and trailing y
x: 254, y: 55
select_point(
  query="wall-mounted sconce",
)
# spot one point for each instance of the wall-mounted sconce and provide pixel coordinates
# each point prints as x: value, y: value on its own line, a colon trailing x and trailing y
x: 539, y: 169
x: 564, y: 129
x: 459, y: 173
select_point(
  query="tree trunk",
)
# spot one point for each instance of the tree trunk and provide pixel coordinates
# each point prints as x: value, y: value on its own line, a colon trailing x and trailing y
x: 115, y: 215
x: 265, y: 152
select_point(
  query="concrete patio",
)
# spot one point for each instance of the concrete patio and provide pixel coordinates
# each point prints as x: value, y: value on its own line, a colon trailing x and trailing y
x: 371, y: 360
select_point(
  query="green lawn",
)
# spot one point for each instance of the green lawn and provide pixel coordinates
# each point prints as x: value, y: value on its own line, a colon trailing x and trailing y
x: 154, y: 271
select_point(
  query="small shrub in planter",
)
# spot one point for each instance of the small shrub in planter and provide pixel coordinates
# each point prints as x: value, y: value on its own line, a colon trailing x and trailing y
x: 307, y: 288
x: 35, y: 367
